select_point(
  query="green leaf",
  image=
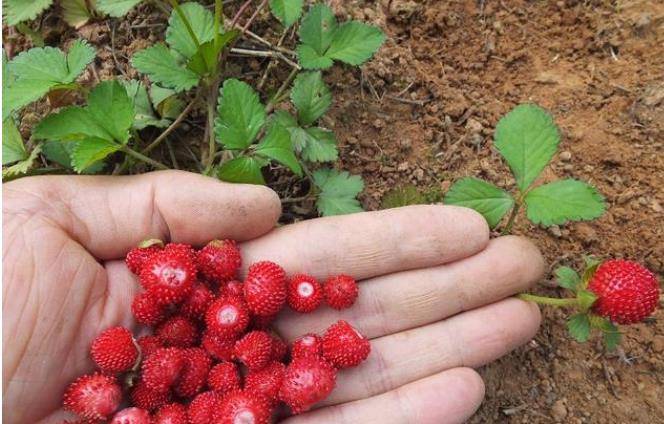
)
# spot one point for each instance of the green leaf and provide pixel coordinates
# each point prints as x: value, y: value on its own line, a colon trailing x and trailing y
x: 567, y: 278
x: 60, y: 153
x: 310, y: 96
x: 144, y: 115
x: 70, y: 124
x: 277, y: 145
x: 338, y: 192
x: 89, y: 151
x: 22, y: 167
x: 162, y: 67
x: 562, y: 201
x: 243, y: 169
x: 177, y: 34
x: 310, y: 59
x: 610, y: 333
x: 283, y: 118
x: 240, y: 115
x: 13, y: 149
x: 487, y: 199
x: 586, y: 299
x: 16, y: 11
x: 204, y: 60
x: 287, y: 11
x: 578, y: 326
x: 402, y: 196
x: 75, y: 12
x: 112, y: 109
x: 320, y: 145
x: 317, y: 28
x: 355, y: 42
x: 116, y: 8
x: 527, y: 138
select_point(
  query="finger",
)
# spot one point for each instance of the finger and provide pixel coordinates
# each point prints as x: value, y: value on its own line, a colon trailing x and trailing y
x: 374, y: 243
x: 470, y: 339
x: 397, y: 302
x: 110, y: 215
x: 448, y: 397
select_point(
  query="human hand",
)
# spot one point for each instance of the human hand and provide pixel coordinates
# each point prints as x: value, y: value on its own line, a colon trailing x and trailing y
x: 434, y: 290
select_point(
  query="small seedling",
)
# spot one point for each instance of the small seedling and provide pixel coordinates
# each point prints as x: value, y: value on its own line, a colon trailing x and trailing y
x: 527, y: 138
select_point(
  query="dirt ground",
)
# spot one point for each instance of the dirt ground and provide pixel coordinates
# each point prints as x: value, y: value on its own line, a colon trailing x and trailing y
x: 423, y: 112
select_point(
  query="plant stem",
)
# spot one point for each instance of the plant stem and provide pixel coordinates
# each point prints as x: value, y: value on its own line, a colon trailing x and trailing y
x: 552, y: 301
x: 173, y: 125
x: 515, y: 212
x: 284, y: 86
x: 131, y: 152
x: 186, y: 22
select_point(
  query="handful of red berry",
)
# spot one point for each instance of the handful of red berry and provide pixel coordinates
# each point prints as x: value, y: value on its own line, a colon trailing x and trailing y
x: 211, y: 357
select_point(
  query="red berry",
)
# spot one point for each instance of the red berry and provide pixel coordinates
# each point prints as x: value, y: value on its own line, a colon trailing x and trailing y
x: 182, y: 249
x: 197, y: 303
x: 279, y: 348
x: 343, y: 346
x: 224, y: 377
x: 267, y: 380
x: 254, y: 349
x: 307, y: 380
x: 307, y: 345
x: 174, y: 413
x: 140, y: 254
x: 147, y: 310
x: 244, y: 407
x: 219, y: 260
x: 161, y: 369
x: 340, y: 291
x: 93, y: 396
x: 177, y: 331
x: 626, y: 291
x: 265, y: 288
x: 219, y: 348
x: 233, y: 288
x: 144, y: 397
x: 132, y: 416
x: 169, y: 275
x: 203, y: 408
x: 195, y: 372
x: 114, y: 350
x: 227, y: 317
x: 304, y: 293
x: 148, y: 345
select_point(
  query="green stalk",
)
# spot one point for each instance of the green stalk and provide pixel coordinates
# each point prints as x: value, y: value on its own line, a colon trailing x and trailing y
x: 187, y: 24
x: 552, y: 301
x: 131, y: 152
x: 218, y: 20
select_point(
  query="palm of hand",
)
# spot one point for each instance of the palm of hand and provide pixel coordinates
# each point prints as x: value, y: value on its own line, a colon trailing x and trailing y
x: 432, y: 299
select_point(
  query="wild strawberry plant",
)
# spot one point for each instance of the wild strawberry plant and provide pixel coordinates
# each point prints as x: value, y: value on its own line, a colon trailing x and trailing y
x: 527, y: 138
x: 247, y: 129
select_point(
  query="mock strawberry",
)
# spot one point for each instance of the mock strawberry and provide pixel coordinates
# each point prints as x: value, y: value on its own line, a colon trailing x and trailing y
x: 244, y: 407
x: 220, y: 348
x: 194, y: 373
x: 140, y: 254
x: 169, y: 275
x: 147, y: 310
x: 114, y: 350
x: 340, y: 291
x: 173, y: 413
x: 93, y: 396
x: 304, y: 293
x: 177, y: 331
x: 626, y: 291
x: 307, y: 345
x: 267, y: 380
x: 148, y: 345
x: 161, y: 369
x: 197, y: 302
x: 144, y: 397
x: 203, y: 408
x: 227, y: 317
x: 265, y: 288
x: 132, y: 415
x: 343, y: 346
x: 182, y: 249
x: 307, y: 380
x: 219, y: 260
x: 224, y: 377
x: 279, y: 348
x: 254, y: 349
x: 233, y: 288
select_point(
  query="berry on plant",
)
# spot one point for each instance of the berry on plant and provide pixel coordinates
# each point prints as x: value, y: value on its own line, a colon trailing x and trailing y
x: 243, y: 407
x: 132, y: 415
x: 307, y: 380
x: 161, y: 369
x: 219, y: 260
x: 343, y: 346
x: 177, y: 331
x: 224, y: 377
x: 265, y: 288
x: 340, y: 291
x: 93, y: 396
x: 227, y: 317
x: 114, y: 350
x: 254, y: 350
x: 304, y: 293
